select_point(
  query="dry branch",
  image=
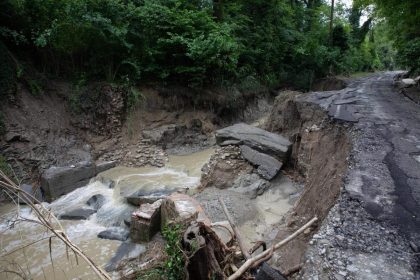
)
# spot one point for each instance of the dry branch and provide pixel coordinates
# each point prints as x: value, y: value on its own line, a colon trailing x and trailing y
x: 250, y: 262
x: 235, y: 230
x: 45, y: 217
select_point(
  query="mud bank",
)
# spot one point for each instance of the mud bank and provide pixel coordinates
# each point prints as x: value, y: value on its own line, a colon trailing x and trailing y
x: 64, y: 125
x: 319, y: 160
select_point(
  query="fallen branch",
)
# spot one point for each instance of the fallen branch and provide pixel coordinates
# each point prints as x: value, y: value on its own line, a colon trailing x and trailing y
x: 235, y: 230
x: 250, y: 262
x: 45, y: 216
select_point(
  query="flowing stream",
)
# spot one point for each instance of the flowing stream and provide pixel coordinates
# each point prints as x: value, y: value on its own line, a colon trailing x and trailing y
x: 39, y: 262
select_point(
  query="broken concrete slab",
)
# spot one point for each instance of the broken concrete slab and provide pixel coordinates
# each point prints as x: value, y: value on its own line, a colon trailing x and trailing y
x: 342, y: 113
x: 114, y: 233
x: 57, y: 181
x: 261, y: 140
x: 77, y: 214
x: 142, y: 197
x: 268, y: 166
x: 145, y: 222
x: 182, y: 208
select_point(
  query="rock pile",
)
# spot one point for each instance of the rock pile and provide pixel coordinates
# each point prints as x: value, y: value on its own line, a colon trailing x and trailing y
x: 224, y: 166
x: 141, y: 154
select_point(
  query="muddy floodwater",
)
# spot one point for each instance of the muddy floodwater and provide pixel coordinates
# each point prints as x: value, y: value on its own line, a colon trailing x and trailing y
x: 181, y: 172
x: 36, y: 262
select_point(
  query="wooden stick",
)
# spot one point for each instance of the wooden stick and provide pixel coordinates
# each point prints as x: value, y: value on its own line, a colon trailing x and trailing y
x: 255, y: 259
x: 41, y: 213
x: 235, y: 230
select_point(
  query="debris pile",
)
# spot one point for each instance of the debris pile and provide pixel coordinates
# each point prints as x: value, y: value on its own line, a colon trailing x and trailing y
x: 211, y: 250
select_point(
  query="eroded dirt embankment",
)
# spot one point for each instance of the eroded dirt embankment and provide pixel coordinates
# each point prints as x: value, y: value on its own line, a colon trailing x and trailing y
x: 319, y: 158
x: 64, y: 124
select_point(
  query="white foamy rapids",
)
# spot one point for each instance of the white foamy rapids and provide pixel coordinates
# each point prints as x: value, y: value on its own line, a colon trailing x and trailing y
x: 79, y: 197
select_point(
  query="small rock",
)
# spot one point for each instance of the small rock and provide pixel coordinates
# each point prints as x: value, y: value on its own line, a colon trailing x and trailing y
x: 115, y: 233
x: 96, y: 201
x: 77, y: 214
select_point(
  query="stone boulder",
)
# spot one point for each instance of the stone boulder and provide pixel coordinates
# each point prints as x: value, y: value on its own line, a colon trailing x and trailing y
x: 34, y: 192
x: 145, y: 222
x: 114, y: 233
x: 182, y: 208
x: 266, y: 272
x: 256, y: 138
x: 77, y: 214
x: 103, y: 166
x: 267, y: 166
x: 57, y: 181
x: 250, y: 184
x: 96, y: 201
x: 127, y: 250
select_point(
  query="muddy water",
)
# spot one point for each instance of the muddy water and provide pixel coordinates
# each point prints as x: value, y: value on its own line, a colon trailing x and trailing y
x: 271, y: 207
x: 36, y: 262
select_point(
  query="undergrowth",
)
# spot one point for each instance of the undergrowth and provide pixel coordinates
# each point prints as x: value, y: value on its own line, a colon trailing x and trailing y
x: 173, y: 266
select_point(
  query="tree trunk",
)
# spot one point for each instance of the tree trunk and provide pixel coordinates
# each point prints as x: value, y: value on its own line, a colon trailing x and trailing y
x: 331, y: 22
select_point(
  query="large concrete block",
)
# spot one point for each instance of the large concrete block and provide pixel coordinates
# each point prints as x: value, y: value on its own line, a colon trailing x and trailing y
x: 145, y: 222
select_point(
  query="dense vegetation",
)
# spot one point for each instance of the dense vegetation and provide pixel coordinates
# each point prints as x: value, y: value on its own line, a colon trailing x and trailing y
x: 402, y: 21
x: 202, y: 42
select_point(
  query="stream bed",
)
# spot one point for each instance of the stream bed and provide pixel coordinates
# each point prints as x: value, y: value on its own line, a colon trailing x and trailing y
x: 257, y: 217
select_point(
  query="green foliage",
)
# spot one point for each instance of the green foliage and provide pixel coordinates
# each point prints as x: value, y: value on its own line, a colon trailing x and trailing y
x: 409, y: 55
x: 198, y: 43
x: 174, y: 266
x: 35, y: 87
x: 402, y: 21
x: 75, y: 97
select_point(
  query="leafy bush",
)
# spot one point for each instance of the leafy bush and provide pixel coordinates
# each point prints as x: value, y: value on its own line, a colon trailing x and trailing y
x: 174, y: 266
x: 409, y: 55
